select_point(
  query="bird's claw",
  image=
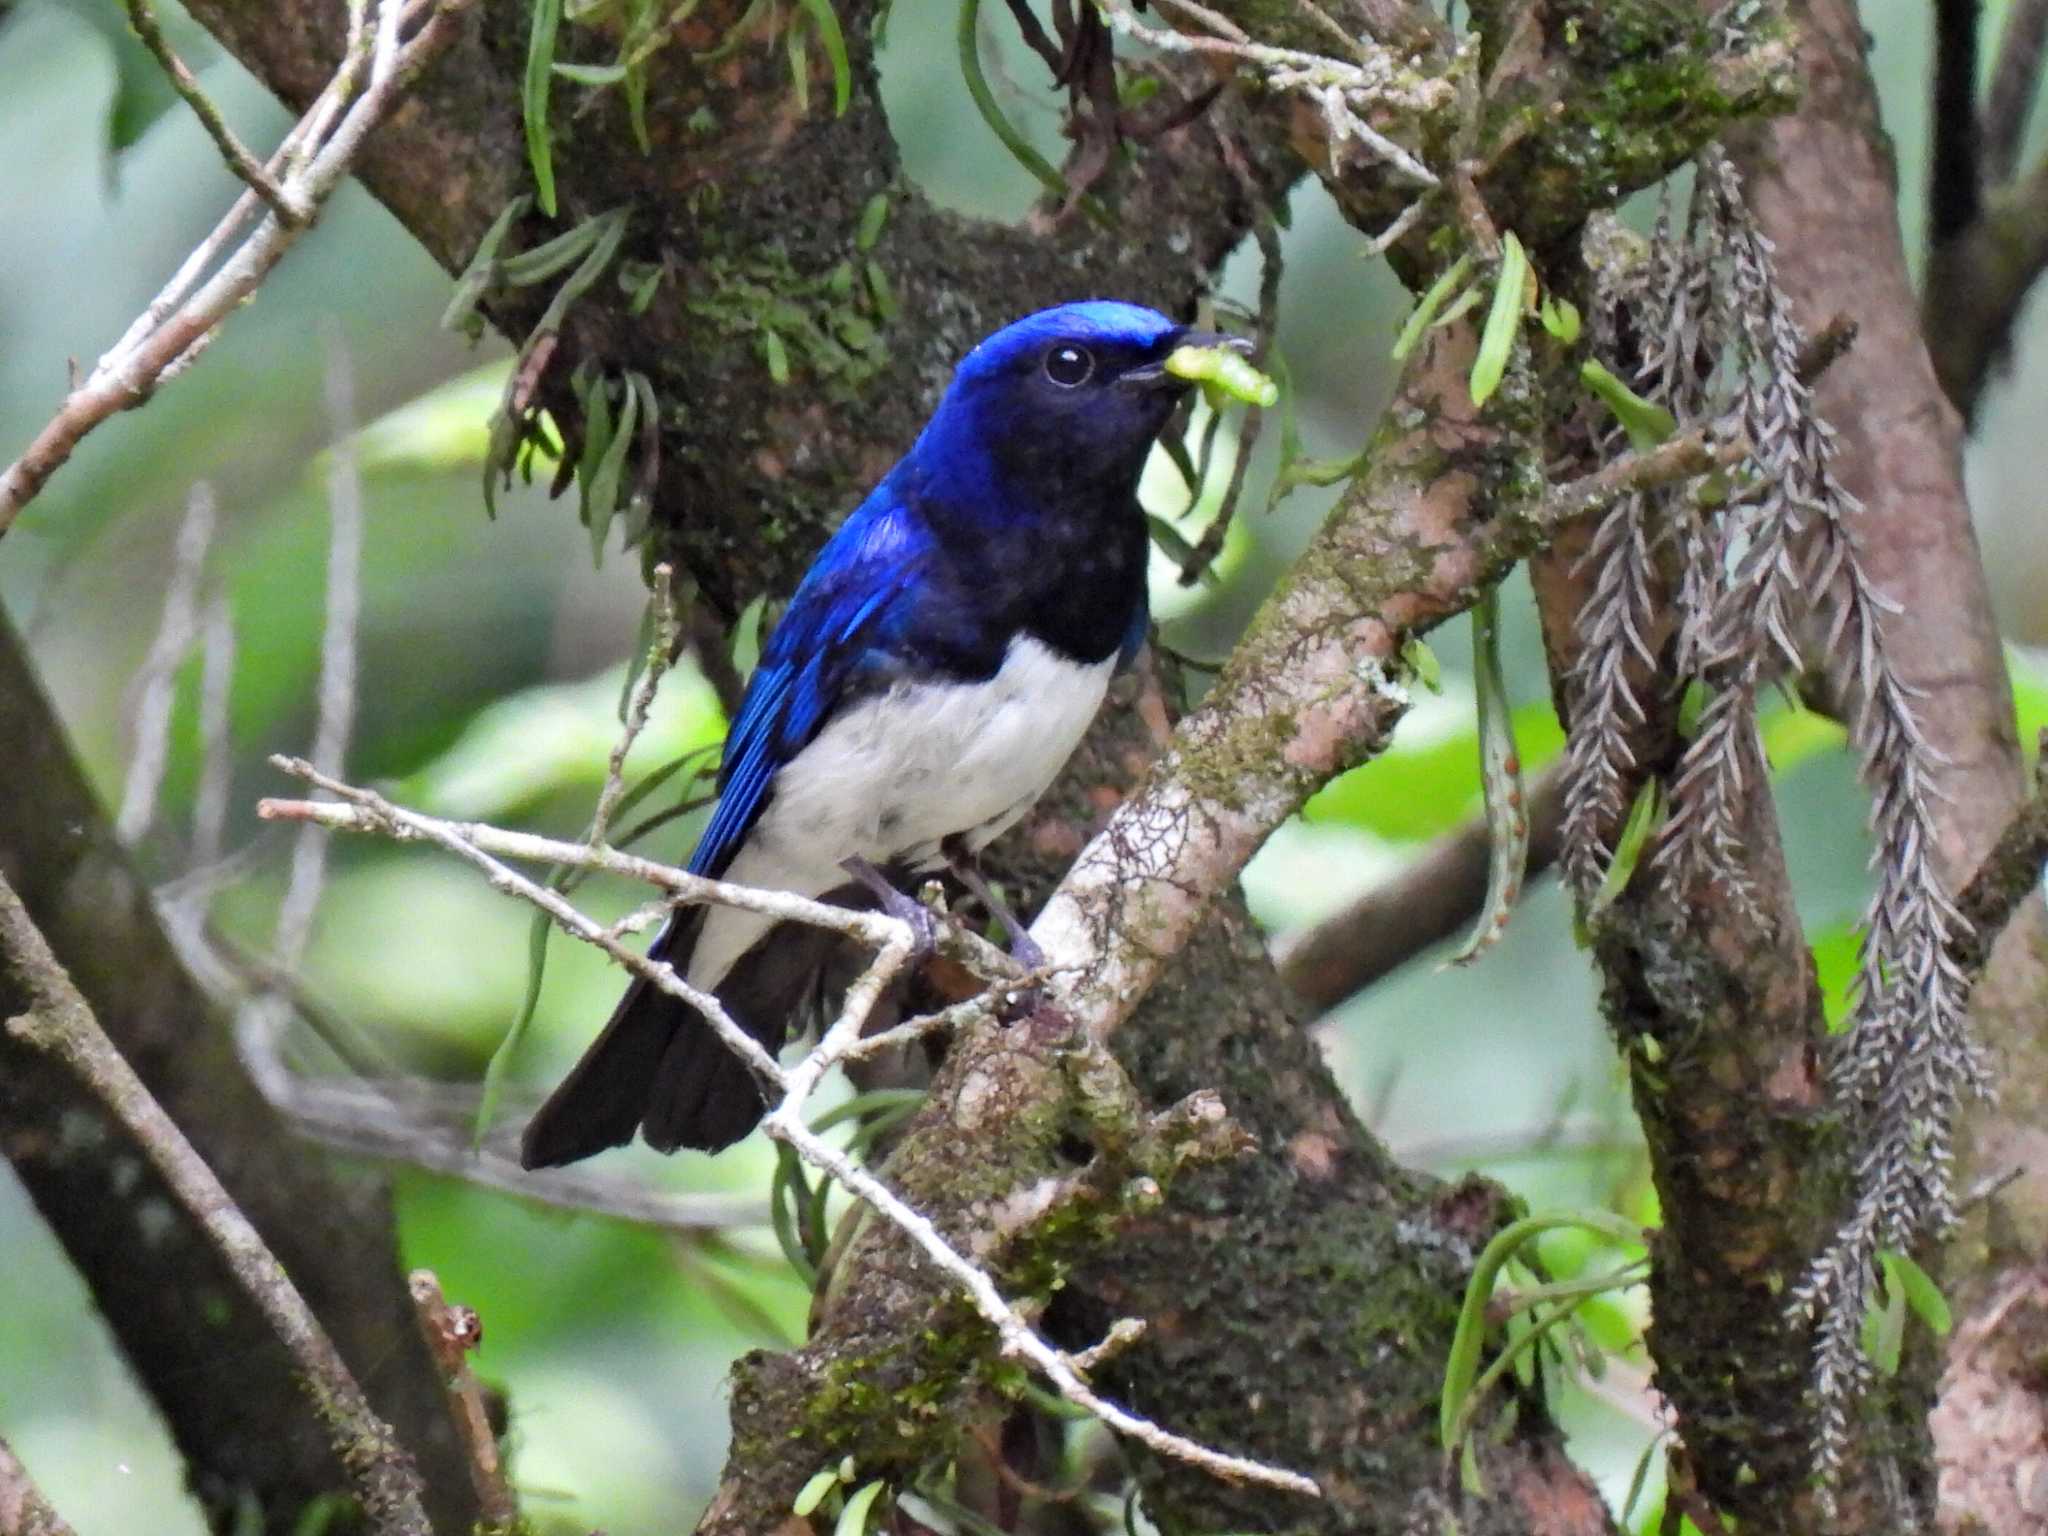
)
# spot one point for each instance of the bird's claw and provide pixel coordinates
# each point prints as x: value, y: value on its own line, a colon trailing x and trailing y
x: 921, y: 920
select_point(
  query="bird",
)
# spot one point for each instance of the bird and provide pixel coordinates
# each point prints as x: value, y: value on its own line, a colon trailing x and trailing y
x: 935, y: 668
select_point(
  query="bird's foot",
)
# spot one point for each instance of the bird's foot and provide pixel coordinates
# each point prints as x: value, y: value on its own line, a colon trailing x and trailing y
x: 1023, y: 948
x: 923, y: 922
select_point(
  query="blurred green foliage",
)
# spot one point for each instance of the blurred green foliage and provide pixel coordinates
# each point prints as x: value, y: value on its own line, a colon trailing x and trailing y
x: 492, y: 657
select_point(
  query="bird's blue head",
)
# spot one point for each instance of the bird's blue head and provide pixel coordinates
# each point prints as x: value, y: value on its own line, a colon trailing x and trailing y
x: 1065, y: 402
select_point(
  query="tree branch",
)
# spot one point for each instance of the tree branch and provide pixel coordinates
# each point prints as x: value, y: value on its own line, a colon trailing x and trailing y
x: 164, y: 1291
x: 23, y: 1509
x: 1435, y: 898
x: 1313, y: 687
x: 60, y: 1023
x: 251, y: 171
x: 2015, y: 81
x: 314, y: 159
x: 1977, y: 285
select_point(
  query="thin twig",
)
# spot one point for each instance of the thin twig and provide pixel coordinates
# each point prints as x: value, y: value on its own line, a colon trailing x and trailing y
x: 2015, y: 81
x: 167, y: 652
x: 216, y: 755
x: 337, y: 695
x: 1017, y: 1338
x: 451, y: 1333
x: 61, y: 1024
x: 1340, y: 88
x: 317, y: 156
x: 370, y: 812
x: 23, y: 1509
x: 245, y: 165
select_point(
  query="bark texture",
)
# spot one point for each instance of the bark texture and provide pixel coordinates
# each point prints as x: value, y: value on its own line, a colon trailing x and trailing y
x: 1824, y: 191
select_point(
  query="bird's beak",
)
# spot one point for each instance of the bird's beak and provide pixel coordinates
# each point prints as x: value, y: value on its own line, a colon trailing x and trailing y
x: 1154, y: 375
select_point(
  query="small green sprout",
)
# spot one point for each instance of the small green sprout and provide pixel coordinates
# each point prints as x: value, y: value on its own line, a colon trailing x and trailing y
x: 1225, y: 369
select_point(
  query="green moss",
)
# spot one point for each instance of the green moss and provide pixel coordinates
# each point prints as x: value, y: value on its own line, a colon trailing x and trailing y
x: 829, y: 325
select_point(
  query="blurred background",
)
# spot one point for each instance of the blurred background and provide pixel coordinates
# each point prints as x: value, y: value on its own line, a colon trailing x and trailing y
x: 492, y: 654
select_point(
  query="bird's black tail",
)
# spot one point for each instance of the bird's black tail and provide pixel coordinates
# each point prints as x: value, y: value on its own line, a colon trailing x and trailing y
x: 658, y: 1068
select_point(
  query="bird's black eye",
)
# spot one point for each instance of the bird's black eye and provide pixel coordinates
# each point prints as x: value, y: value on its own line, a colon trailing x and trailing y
x: 1068, y: 365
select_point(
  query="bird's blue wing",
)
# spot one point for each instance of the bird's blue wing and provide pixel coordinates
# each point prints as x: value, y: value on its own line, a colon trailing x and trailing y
x: 827, y: 644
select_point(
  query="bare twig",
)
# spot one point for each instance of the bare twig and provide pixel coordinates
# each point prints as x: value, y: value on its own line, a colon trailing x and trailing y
x: 23, y: 1509
x: 337, y: 707
x: 61, y: 1024
x: 216, y: 757
x: 1343, y: 90
x: 451, y: 1333
x: 891, y: 940
x: 142, y: 16
x: 370, y: 812
x: 2015, y: 81
x: 178, y: 324
x: 167, y: 652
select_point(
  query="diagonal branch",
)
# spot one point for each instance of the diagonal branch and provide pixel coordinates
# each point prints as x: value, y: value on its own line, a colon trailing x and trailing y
x: 23, y: 1509
x: 2015, y: 82
x: 142, y: 17
x: 1432, y: 900
x: 314, y: 159
x: 1315, y: 686
x: 60, y: 1023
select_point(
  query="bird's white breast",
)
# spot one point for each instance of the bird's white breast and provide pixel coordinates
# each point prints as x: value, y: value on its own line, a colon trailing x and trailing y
x: 892, y: 776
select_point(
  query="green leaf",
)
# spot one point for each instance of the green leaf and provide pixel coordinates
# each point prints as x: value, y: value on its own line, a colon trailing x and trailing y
x: 775, y: 352
x: 611, y: 469
x: 1503, y: 320
x: 1427, y: 307
x: 592, y: 74
x: 967, y: 34
x: 1884, y: 1332
x: 1646, y: 423
x: 1904, y: 1278
x: 799, y: 70
x: 1421, y: 661
x: 636, y: 108
x: 1560, y: 318
x: 608, y: 229
x: 788, y: 1191
x: 597, y: 441
x: 834, y: 43
x: 883, y: 295
x: 540, y: 73
x: 812, y: 1494
x: 872, y: 217
x: 1644, y: 818
x: 638, y: 280
x: 550, y: 256
x: 483, y: 262
x: 1461, y: 1367
x: 1507, y: 816
x: 853, y: 1520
